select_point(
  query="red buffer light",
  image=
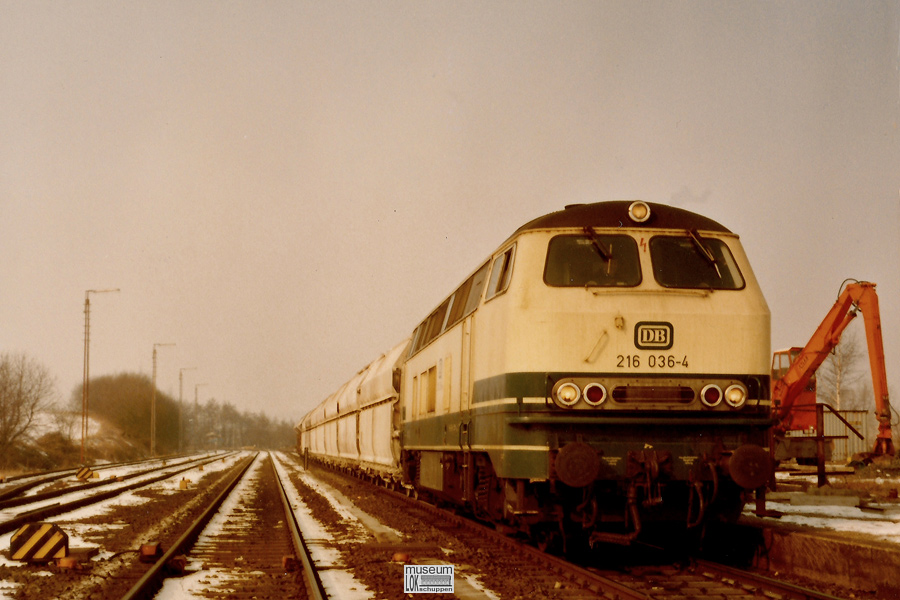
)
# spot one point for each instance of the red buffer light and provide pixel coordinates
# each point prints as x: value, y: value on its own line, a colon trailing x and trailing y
x: 594, y: 394
x: 711, y: 395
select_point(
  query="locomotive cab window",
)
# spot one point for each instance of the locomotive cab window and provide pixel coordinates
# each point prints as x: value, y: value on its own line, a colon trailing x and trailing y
x: 592, y: 260
x: 692, y: 261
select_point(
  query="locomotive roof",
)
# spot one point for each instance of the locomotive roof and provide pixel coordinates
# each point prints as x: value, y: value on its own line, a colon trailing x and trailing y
x: 615, y: 214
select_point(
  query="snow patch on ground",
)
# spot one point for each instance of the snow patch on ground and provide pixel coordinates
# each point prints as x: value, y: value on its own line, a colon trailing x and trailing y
x: 193, y: 585
x: 338, y: 582
x: 8, y: 590
x: 884, y: 526
x: 75, y: 531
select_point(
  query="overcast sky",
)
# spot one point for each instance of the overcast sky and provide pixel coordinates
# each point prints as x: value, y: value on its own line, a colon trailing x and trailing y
x: 285, y: 188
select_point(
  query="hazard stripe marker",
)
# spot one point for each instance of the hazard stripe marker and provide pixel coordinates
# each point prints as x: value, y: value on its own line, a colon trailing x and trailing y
x: 84, y: 473
x: 39, y: 542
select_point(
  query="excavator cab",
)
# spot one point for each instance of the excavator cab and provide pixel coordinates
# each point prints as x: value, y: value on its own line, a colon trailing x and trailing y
x: 798, y: 440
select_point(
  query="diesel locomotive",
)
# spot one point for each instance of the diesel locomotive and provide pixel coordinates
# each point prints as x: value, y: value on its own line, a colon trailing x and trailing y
x: 604, y: 369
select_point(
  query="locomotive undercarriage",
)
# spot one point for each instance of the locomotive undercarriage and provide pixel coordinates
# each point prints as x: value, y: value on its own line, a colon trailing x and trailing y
x: 580, y: 507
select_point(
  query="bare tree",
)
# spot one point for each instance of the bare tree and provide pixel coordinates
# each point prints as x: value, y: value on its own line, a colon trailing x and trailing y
x: 65, y: 421
x: 837, y: 377
x: 26, y: 388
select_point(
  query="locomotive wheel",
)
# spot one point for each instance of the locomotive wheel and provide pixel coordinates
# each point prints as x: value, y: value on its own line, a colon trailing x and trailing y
x: 549, y: 542
x: 729, y: 504
x: 547, y: 538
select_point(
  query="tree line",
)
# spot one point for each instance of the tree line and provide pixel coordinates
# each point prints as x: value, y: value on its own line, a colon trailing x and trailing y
x: 39, y: 431
x: 124, y: 401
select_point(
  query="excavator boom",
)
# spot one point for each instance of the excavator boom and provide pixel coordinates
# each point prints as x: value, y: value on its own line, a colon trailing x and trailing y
x: 856, y: 298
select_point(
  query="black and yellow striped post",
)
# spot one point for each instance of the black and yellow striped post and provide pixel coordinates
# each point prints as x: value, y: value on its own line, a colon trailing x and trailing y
x: 84, y: 473
x: 39, y: 542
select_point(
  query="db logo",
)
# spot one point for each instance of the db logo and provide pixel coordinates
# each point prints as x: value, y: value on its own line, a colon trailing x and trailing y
x: 654, y: 335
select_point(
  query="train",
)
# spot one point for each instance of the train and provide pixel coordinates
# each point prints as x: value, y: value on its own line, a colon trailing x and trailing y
x: 606, y: 369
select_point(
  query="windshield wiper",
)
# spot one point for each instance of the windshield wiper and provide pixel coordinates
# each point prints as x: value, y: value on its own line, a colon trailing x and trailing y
x: 601, y: 248
x: 705, y: 252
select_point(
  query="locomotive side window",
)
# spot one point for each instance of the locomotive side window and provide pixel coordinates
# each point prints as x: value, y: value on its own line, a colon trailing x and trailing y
x: 500, y: 274
x: 433, y: 325
x: 693, y: 262
x: 466, y: 297
x: 475, y: 291
x: 436, y: 321
x: 416, y: 339
x: 463, y: 301
x: 592, y: 260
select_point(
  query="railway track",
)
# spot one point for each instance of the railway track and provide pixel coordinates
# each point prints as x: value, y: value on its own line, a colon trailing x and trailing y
x: 17, y: 486
x: 39, y: 507
x: 230, y: 535
x: 555, y: 577
x: 246, y: 544
x: 234, y: 535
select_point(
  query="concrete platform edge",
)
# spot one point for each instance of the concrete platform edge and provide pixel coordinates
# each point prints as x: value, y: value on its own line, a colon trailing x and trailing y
x: 857, y: 565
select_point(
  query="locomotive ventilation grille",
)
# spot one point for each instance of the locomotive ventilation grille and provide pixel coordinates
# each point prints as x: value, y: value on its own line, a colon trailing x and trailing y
x: 674, y: 394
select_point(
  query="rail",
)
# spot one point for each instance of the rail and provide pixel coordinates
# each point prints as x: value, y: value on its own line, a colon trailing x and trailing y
x: 314, y: 583
x: 59, y: 508
x: 152, y: 578
x: 787, y: 591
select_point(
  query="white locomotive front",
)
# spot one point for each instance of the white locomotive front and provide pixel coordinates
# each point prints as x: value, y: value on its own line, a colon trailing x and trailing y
x: 605, y: 367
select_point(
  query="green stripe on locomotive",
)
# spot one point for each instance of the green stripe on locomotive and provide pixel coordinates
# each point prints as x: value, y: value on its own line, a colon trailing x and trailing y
x: 519, y: 432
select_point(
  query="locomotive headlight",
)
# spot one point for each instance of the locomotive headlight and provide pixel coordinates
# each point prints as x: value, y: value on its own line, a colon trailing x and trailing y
x: 568, y: 394
x: 735, y: 395
x: 639, y: 212
x: 594, y: 394
x: 711, y: 395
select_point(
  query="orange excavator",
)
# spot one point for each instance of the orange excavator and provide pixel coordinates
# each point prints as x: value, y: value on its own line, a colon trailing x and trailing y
x: 791, y: 389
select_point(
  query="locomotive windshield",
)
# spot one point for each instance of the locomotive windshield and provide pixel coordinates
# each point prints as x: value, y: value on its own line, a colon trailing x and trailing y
x: 693, y: 262
x: 592, y: 260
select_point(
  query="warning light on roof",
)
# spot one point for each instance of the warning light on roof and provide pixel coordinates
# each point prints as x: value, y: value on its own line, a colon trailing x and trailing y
x: 639, y: 212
